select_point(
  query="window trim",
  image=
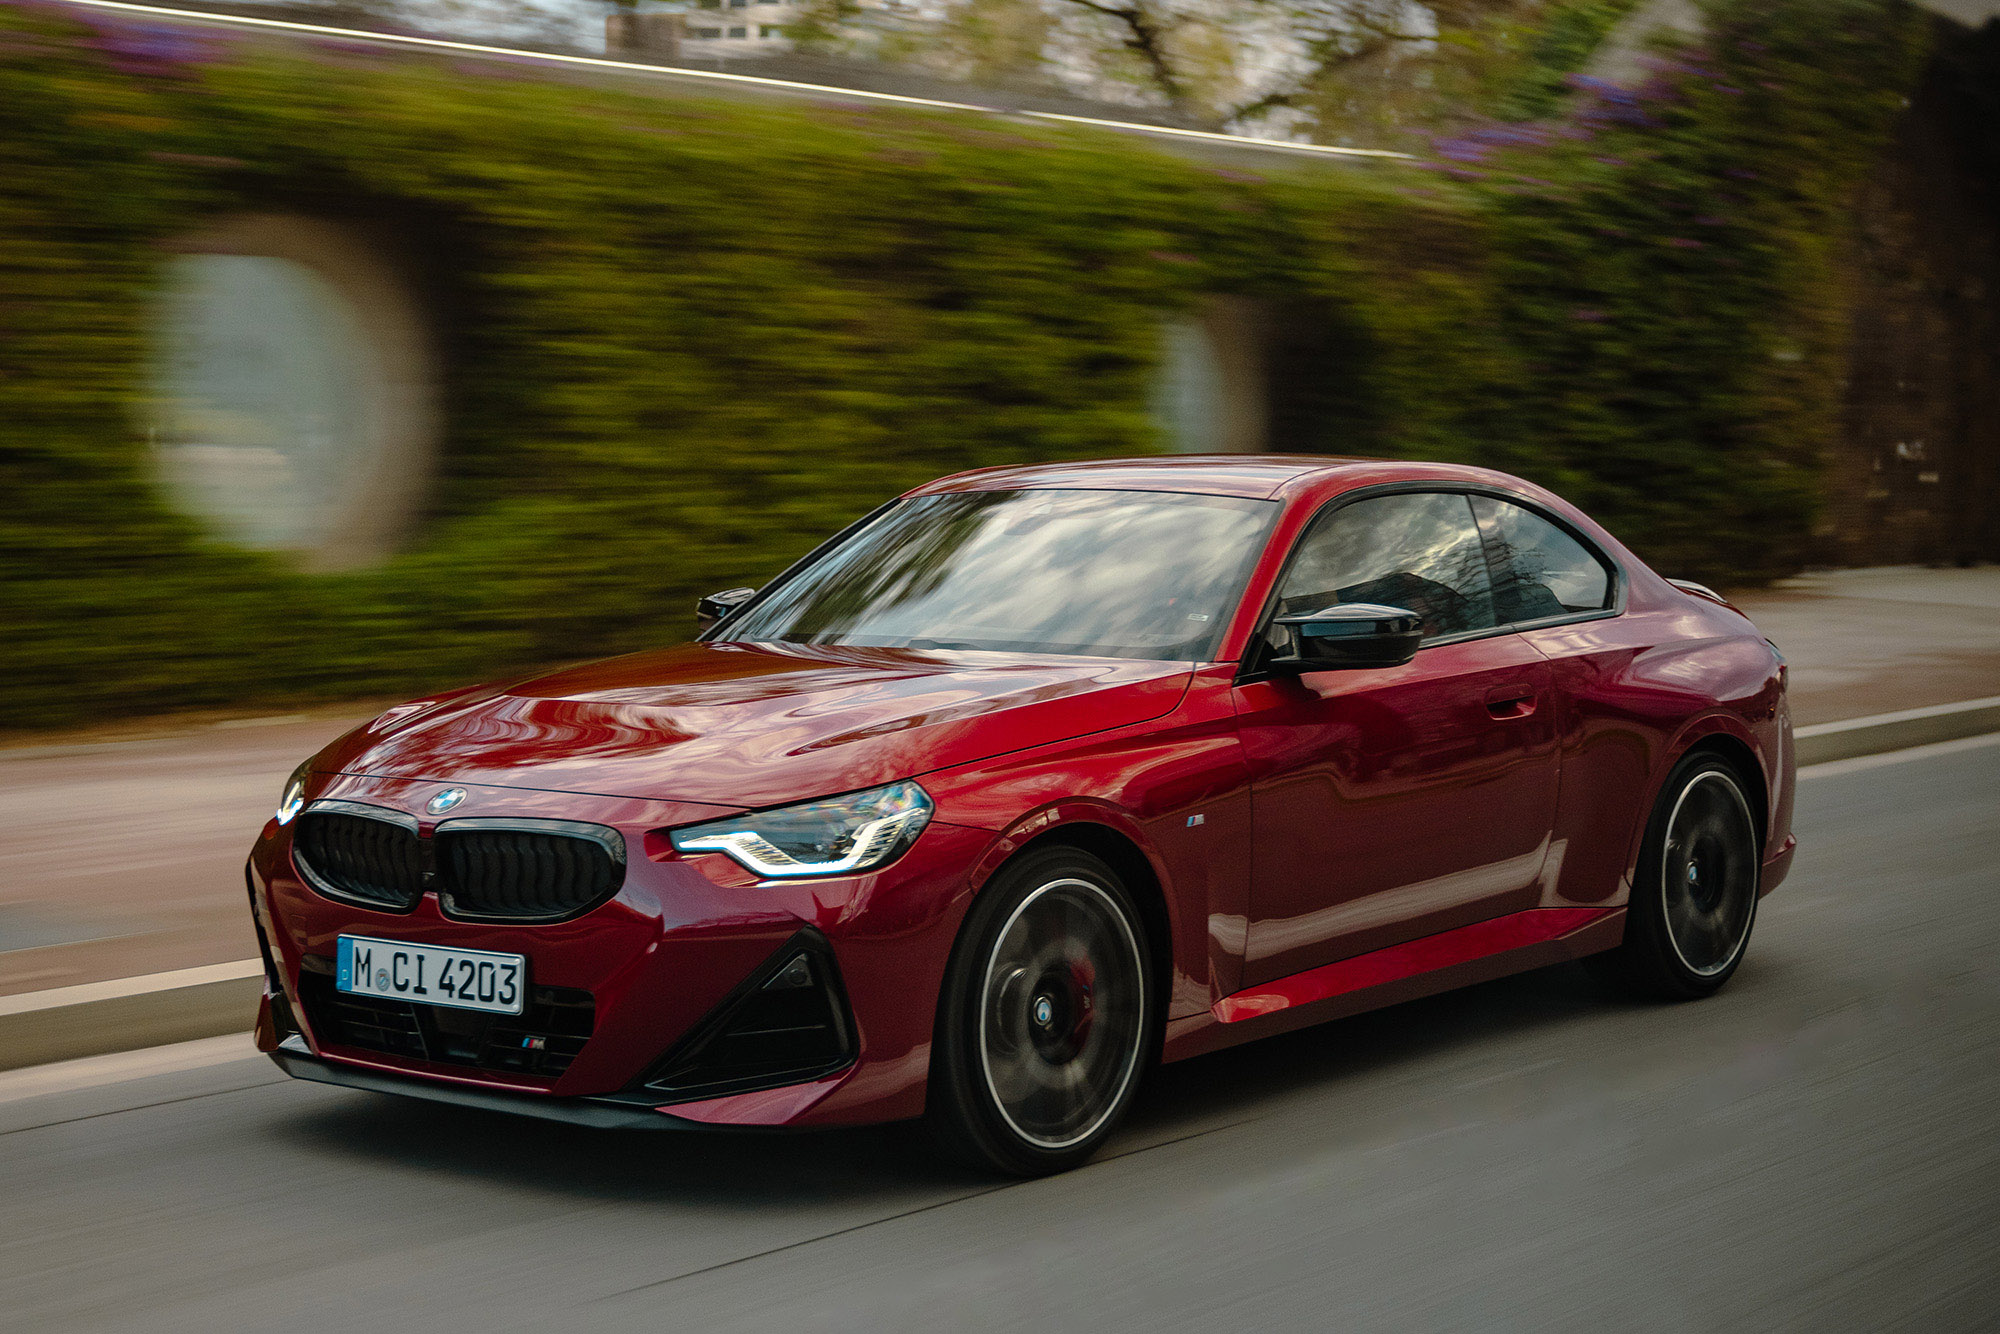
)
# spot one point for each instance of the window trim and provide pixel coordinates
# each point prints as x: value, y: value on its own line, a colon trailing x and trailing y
x: 1612, y: 570
x: 1249, y: 668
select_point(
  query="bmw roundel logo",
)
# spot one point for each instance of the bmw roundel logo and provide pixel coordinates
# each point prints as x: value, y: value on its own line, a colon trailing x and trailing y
x: 445, y: 800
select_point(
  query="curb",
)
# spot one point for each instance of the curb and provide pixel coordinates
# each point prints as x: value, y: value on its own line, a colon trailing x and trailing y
x: 1853, y: 737
x: 99, y: 1018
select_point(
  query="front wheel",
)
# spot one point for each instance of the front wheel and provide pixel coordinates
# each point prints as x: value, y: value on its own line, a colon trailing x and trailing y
x: 1045, y: 1018
x: 1696, y: 894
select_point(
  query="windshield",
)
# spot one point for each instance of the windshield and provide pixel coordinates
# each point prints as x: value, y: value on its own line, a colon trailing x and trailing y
x: 1108, y: 574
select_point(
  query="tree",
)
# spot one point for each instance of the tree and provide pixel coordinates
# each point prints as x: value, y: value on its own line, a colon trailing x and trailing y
x: 1336, y: 70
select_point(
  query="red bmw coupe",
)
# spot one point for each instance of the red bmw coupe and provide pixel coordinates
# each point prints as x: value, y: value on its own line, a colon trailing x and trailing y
x: 1029, y: 778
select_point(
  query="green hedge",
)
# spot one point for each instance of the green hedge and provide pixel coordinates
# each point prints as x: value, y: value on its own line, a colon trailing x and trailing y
x: 689, y: 337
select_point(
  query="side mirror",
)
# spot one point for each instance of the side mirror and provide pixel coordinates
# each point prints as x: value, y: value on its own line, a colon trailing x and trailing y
x: 718, y: 605
x: 1353, y: 634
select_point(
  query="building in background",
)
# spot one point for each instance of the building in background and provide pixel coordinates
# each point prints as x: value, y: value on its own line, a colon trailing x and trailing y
x: 699, y: 31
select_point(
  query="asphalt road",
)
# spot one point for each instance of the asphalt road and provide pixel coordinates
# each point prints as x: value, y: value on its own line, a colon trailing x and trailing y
x: 1816, y: 1148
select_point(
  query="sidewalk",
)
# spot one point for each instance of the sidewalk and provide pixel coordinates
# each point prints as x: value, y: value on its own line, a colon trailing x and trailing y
x: 1870, y: 641
x: 126, y: 857
x: 122, y: 858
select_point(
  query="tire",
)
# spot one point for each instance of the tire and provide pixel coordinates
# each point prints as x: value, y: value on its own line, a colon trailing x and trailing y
x: 1695, y: 897
x: 1046, y: 1018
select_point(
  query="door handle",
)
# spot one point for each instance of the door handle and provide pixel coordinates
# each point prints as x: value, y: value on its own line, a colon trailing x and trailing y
x: 1511, y: 701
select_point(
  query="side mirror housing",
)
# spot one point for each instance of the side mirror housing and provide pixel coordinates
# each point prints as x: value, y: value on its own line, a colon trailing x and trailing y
x: 1353, y: 634
x: 715, y: 606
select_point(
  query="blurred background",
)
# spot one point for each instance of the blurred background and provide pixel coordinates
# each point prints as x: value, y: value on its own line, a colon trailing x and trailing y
x: 358, y: 348
x: 349, y: 367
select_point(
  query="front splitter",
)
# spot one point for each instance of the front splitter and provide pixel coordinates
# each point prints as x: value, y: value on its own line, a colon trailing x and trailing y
x: 597, y: 1113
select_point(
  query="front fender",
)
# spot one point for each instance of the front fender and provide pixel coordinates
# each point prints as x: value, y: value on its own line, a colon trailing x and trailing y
x: 1175, y: 790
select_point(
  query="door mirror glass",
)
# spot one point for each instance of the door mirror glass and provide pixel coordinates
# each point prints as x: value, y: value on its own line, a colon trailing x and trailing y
x: 715, y: 606
x: 1352, y: 634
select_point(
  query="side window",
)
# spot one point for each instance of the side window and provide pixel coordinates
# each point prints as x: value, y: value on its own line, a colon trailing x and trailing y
x: 1420, y: 551
x: 1538, y: 569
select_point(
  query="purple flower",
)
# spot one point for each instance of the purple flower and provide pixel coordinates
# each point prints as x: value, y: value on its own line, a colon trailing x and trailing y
x: 154, y: 48
x: 1461, y: 150
x: 1683, y: 243
x: 1587, y: 316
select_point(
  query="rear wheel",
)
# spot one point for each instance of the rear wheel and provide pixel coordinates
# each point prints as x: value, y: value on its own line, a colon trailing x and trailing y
x: 1045, y: 1018
x: 1696, y: 896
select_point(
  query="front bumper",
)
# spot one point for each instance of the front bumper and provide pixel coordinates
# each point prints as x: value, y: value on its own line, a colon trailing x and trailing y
x: 1777, y: 866
x: 296, y: 1059
x: 655, y: 967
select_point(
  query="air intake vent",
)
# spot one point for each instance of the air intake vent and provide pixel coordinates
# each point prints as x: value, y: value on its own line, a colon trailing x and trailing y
x: 789, y: 1023
x: 363, y: 854
x: 542, y: 1040
x: 526, y: 870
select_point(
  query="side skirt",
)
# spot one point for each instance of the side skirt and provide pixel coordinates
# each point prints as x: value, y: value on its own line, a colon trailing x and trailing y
x: 1446, y: 961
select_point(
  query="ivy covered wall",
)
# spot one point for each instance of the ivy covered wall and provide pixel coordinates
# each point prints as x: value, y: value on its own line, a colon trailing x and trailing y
x: 686, y: 338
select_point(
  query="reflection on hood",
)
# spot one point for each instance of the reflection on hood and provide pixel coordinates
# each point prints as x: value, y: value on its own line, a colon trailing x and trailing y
x: 759, y: 724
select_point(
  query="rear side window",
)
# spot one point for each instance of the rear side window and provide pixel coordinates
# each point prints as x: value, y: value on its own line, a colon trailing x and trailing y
x: 1538, y: 569
x: 1415, y: 550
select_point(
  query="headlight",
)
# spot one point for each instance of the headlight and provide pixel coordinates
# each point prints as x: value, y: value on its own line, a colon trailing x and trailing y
x: 831, y: 837
x: 294, y: 799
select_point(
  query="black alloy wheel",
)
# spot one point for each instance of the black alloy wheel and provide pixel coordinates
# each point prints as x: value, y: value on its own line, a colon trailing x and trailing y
x: 1689, y: 921
x: 1046, y: 1017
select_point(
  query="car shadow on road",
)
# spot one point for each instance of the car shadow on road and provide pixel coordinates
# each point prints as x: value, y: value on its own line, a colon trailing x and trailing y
x: 752, y: 1170
x: 1240, y: 1082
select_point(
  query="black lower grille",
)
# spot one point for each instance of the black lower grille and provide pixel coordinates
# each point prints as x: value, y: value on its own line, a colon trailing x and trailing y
x: 364, y: 858
x: 524, y: 874
x: 788, y: 1023
x: 542, y: 1040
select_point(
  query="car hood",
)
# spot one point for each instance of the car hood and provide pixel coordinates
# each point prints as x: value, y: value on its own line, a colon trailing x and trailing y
x: 756, y: 725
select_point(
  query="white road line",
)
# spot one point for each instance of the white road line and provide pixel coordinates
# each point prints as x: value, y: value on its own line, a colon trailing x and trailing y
x: 670, y: 72
x: 1900, y: 716
x: 118, y: 988
x: 1835, y: 768
x: 39, y: 1081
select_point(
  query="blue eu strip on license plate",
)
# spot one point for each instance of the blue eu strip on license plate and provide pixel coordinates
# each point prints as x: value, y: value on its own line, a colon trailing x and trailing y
x: 431, y: 974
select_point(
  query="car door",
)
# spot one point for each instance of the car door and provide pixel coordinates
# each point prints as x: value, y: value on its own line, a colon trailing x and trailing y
x: 1562, y: 595
x: 1392, y: 803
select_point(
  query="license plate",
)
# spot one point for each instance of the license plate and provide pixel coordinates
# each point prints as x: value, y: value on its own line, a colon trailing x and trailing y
x: 430, y: 975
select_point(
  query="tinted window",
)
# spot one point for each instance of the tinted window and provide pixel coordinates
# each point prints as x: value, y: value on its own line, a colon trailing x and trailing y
x: 1418, y: 551
x: 1539, y: 570
x: 1121, y: 574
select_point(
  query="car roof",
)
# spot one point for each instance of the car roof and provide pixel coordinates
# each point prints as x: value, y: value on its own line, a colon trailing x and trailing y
x: 1259, y: 476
